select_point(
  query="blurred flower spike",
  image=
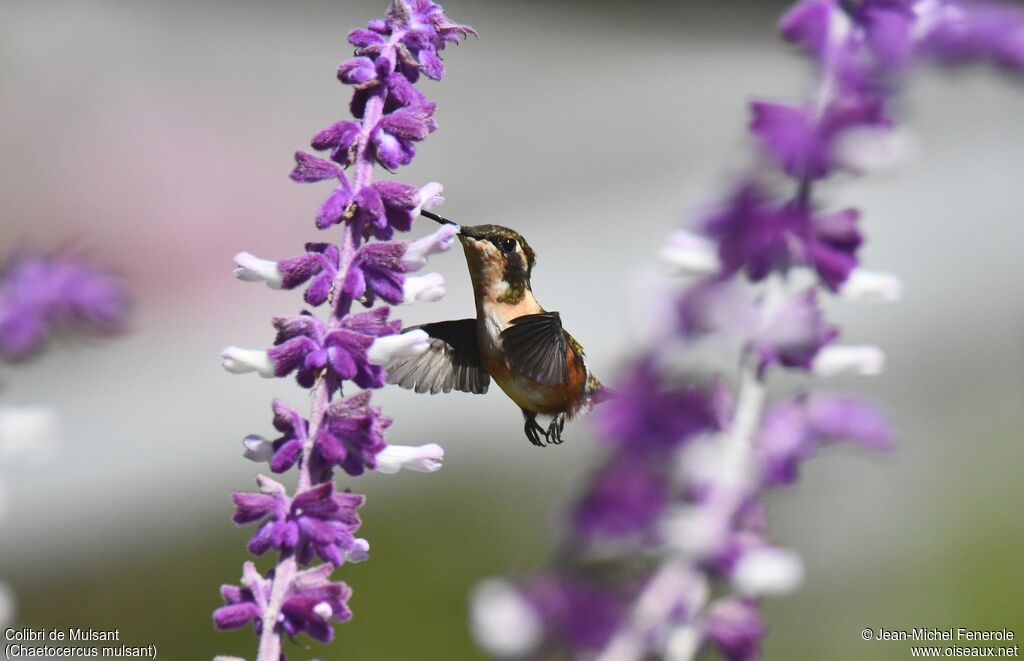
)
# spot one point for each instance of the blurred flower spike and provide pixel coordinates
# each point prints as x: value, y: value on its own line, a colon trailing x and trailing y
x: 667, y: 553
x: 44, y: 296
x: 363, y: 267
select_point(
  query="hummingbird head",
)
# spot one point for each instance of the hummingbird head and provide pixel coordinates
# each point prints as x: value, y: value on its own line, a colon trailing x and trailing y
x: 500, y: 260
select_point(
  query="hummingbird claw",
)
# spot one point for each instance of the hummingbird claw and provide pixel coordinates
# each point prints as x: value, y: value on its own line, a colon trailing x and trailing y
x: 554, y: 432
x: 533, y: 430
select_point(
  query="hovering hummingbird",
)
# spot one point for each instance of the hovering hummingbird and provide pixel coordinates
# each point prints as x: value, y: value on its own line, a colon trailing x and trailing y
x: 512, y: 339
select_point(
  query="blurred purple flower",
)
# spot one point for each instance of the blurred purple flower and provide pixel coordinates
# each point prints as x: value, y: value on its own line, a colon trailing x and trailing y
x: 734, y: 626
x: 792, y: 431
x: 648, y: 412
x: 794, y: 333
x: 576, y: 613
x: 760, y: 236
x: 42, y: 295
x: 624, y: 500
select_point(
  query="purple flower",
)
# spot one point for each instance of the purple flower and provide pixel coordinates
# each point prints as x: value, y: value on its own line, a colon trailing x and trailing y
x: 319, y: 264
x: 376, y: 270
x: 647, y: 412
x: 283, y: 452
x: 244, y: 603
x: 42, y: 295
x: 306, y: 347
x: 352, y: 434
x: 311, y: 601
x: 625, y: 498
x: 734, y: 626
x: 316, y: 520
x: 395, y: 134
x: 792, y: 431
x: 340, y: 138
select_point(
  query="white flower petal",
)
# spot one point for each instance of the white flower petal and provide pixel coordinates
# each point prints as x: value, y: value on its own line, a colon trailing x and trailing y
x: 270, y: 486
x: 243, y: 361
x: 405, y: 345
x: 426, y: 288
x: 419, y: 458
x: 684, y: 642
x: 834, y: 360
x: 874, y: 148
x: 257, y: 449
x: 323, y: 610
x: 872, y: 287
x: 360, y: 551
x: 253, y: 269
x: 502, y: 621
x: 687, y: 253
x: 31, y: 431
x: 417, y: 252
x: 429, y: 197
x: 768, y: 572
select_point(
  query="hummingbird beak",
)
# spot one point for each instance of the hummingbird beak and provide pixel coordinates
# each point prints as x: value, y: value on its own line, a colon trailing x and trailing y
x: 441, y: 220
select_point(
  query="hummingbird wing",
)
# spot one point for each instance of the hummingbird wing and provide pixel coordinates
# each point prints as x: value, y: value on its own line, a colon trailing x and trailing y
x: 451, y: 362
x: 535, y: 346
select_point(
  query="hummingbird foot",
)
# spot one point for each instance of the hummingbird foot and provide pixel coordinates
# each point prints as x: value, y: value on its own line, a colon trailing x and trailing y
x: 554, y: 432
x: 532, y: 429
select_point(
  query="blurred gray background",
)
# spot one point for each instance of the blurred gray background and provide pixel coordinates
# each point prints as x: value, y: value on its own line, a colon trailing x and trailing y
x: 159, y: 135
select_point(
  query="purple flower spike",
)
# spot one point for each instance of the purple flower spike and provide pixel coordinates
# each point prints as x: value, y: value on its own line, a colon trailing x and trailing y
x: 42, y: 295
x: 341, y: 349
x: 671, y: 532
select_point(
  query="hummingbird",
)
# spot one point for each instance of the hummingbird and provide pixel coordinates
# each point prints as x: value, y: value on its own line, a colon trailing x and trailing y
x: 512, y: 339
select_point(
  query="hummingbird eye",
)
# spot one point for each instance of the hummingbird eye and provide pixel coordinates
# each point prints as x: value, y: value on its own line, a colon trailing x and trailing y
x: 507, y: 244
